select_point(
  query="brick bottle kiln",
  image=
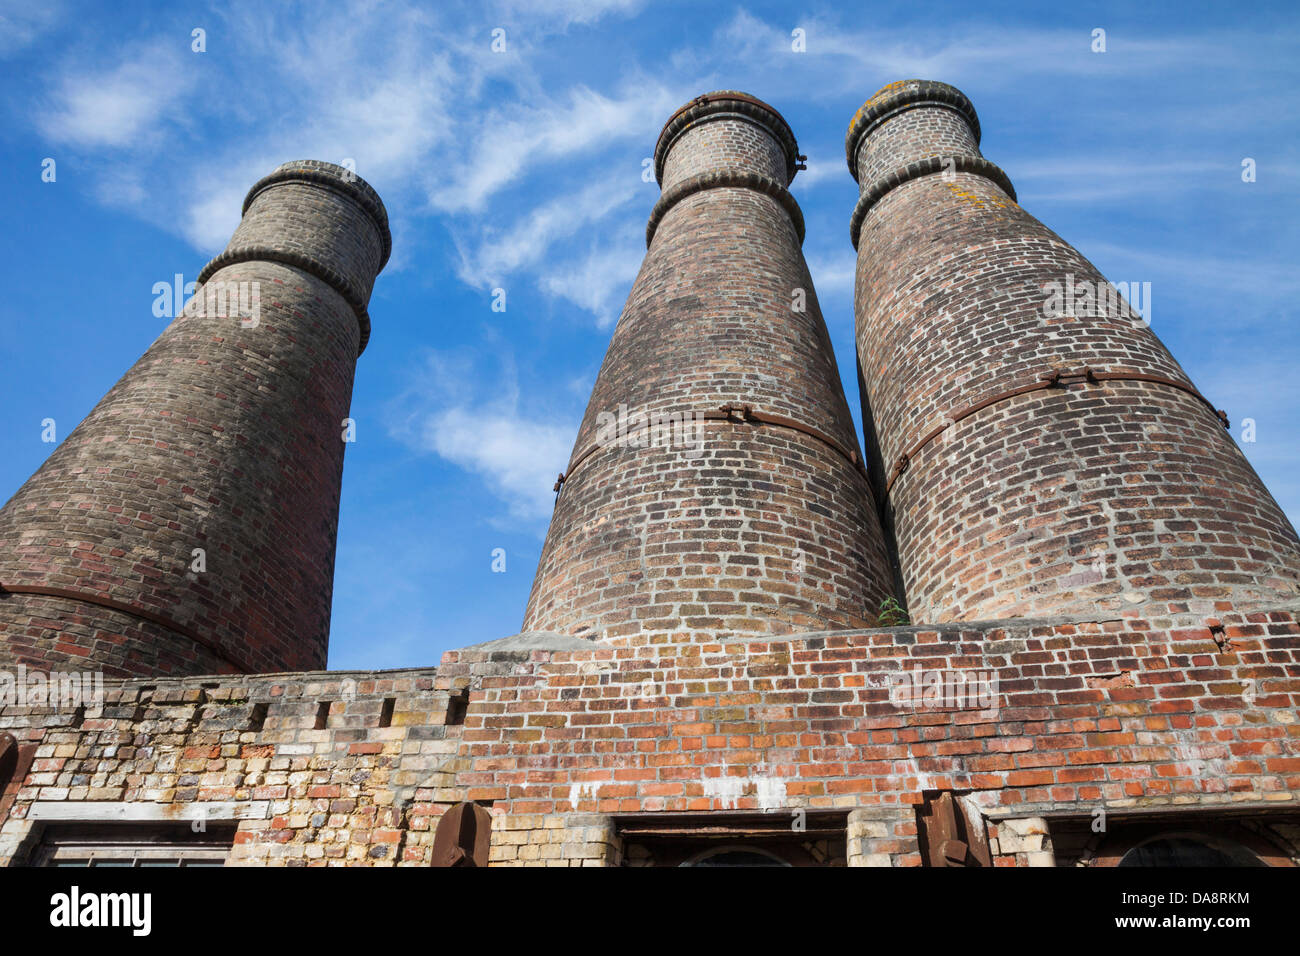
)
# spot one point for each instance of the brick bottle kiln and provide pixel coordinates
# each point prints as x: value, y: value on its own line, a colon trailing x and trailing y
x: 1037, y: 461
x: 224, y: 437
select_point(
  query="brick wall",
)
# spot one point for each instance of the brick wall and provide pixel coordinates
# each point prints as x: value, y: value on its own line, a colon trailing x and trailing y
x: 1126, y: 715
x: 1122, y: 714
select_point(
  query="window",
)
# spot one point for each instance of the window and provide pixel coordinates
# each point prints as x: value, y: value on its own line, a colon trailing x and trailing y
x: 1179, y: 838
x: 133, y: 845
x: 790, y: 837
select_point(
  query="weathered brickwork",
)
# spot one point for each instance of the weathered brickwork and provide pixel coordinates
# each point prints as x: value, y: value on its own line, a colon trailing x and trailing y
x: 883, y: 836
x: 737, y: 528
x: 1114, y: 494
x: 555, y: 840
x: 1118, y: 711
x: 299, y: 761
x: 1126, y: 715
x: 725, y: 129
x: 1088, y: 491
x: 762, y: 532
x: 226, y: 436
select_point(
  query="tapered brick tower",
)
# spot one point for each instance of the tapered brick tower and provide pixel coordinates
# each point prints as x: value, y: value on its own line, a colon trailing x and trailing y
x: 755, y: 517
x: 187, y: 526
x: 1043, y: 453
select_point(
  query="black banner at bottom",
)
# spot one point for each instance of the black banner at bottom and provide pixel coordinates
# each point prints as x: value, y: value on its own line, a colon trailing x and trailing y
x: 142, y: 907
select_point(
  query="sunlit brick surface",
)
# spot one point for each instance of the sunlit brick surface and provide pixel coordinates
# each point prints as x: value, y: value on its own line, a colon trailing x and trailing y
x: 1148, y: 716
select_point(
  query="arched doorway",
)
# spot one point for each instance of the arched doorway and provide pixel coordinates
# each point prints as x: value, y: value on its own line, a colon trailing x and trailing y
x: 1190, y: 845
x: 735, y: 855
x: 1189, y: 849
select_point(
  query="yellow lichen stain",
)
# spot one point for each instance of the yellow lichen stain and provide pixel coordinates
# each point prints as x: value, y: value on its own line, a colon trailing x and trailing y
x: 983, y: 202
x: 878, y: 96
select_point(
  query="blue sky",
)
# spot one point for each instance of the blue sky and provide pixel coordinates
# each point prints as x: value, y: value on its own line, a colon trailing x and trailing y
x: 522, y: 170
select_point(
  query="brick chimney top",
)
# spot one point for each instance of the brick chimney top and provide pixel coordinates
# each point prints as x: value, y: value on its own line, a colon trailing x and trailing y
x: 335, y: 177
x: 318, y: 217
x: 722, y: 103
x: 893, y: 98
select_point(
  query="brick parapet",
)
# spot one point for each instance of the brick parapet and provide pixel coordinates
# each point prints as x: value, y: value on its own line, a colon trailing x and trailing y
x: 1121, y: 714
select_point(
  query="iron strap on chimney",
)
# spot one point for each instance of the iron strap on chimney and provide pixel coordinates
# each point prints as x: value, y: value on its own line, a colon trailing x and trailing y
x: 741, y: 415
x: 1056, y: 378
x: 128, y: 609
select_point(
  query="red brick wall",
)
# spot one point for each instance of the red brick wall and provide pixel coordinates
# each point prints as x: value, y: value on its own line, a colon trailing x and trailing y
x: 1139, y: 717
x: 1119, y: 711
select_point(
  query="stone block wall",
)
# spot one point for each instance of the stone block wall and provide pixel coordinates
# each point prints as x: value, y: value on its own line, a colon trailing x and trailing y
x: 555, y: 840
x: 313, y: 768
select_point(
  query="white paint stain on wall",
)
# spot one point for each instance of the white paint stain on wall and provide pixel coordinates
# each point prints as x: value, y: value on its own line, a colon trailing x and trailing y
x: 768, y: 789
x: 580, y: 791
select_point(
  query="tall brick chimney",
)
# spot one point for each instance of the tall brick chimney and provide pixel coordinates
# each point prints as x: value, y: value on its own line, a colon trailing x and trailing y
x: 1043, y: 453
x: 187, y: 525
x: 755, y: 517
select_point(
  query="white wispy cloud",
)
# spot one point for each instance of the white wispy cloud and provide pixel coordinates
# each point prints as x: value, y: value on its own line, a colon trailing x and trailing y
x: 599, y: 279
x: 839, y: 54
x: 834, y: 273
x: 498, y: 252
x: 477, y: 422
x: 1103, y: 177
x: 512, y: 140
x: 822, y: 167
x: 125, y: 105
x: 23, y: 22
x: 1190, y: 270
x: 562, y: 13
x: 517, y: 457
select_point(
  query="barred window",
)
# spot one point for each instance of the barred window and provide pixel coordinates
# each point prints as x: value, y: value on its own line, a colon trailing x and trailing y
x: 134, y: 845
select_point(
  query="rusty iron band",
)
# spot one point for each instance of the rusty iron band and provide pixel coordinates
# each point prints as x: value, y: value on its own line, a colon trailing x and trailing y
x: 128, y: 609
x: 744, y: 415
x: 1055, y: 379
